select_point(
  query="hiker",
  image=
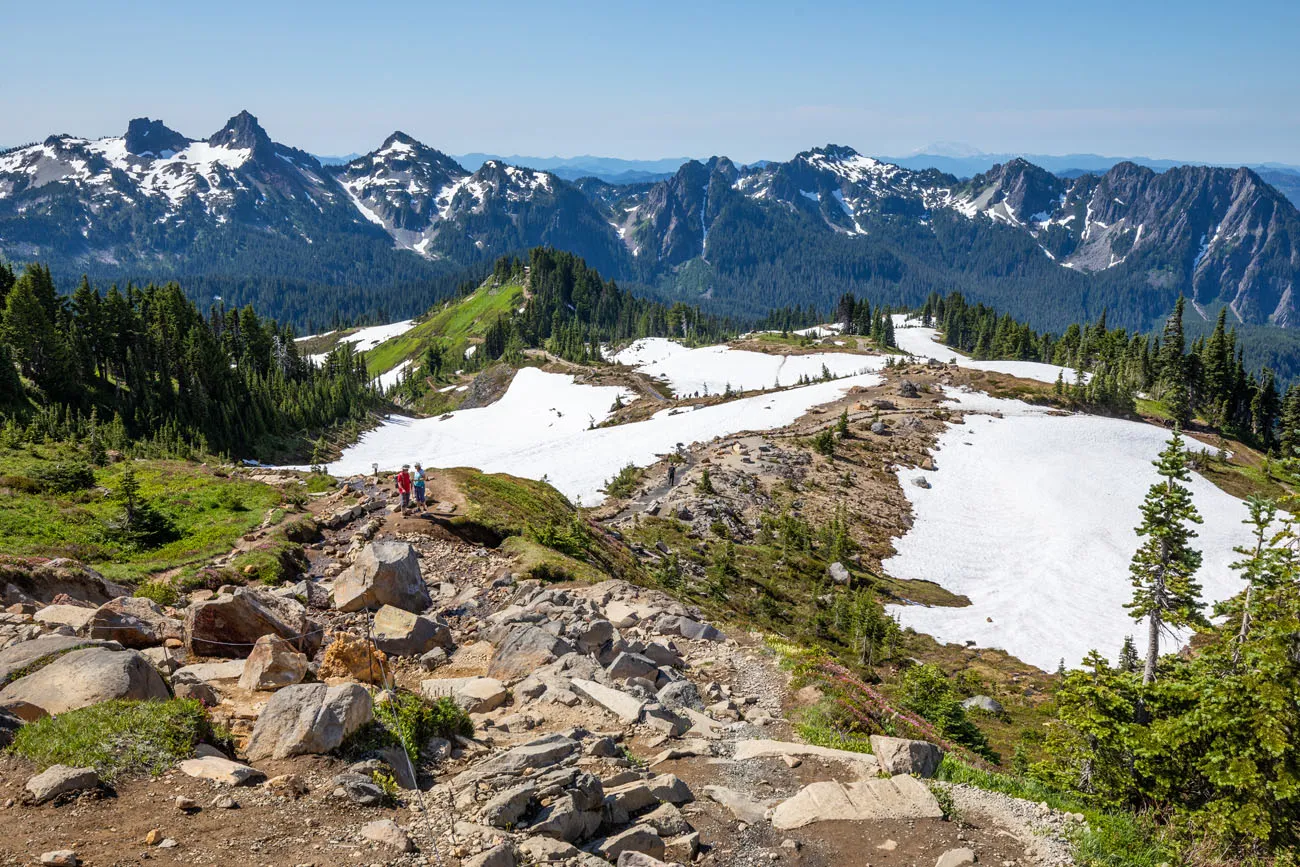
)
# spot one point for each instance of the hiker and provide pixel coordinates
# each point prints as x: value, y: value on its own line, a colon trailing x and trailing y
x: 672, y: 475
x: 404, y: 486
x: 418, y: 484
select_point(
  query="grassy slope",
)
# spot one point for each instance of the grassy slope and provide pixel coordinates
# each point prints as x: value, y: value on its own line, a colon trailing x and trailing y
x: 456, y: 322
x: 209, y: 510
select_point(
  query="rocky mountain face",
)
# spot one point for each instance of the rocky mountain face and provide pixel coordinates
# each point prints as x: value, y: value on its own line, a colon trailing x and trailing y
x: 156, y: 203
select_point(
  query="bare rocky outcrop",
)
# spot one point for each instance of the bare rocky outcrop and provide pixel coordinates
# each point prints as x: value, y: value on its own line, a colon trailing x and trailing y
x: 133, y: 621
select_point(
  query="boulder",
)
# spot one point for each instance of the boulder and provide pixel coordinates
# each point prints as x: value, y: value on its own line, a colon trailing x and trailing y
x: 839, y: 573
x: 956, y: 857
x: 359, y: 789
x: 75, y: 617
x: 133, y: 621
x: 899, y: 797
x: 591, y: 637
x: 230, y: 625
x: 401, y: 633
x: 60, y: 858
x: 308, y: 718
x: 525, y: 649
x: 539, y: 753
x: 629, y: 858
x: 351, y: 657
x: 688, y: 628
x: 503, y: 855
x: 384, y: 573
x: 741, y: 806
x: 506, y: 809
x: 627, y: 665
x: 544, y: 850
x: 671, y: 789
x: 626, y: 707
x: 26, y: 654
x: 59, y: 780
x: 638, y: 838
x: 682, y: 693
x: 216, y: 673
x: 220, y: 770
x: 472, y: 694
x: 565, y: 819
x: 984, y: 703
x: 272, y: 664
x: 903, y: 756
x: 667, y: 820
x: 387, y: 833
x: 86, y: 677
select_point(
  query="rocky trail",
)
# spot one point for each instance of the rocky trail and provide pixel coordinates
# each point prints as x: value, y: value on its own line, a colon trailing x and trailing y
x: 612, y: 724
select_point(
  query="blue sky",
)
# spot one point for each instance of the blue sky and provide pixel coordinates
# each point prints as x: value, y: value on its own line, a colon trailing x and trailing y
x: 1189, y: 80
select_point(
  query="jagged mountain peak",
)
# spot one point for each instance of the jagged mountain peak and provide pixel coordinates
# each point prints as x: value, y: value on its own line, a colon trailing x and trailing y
x: 240, y: 132
x: 153, y: 137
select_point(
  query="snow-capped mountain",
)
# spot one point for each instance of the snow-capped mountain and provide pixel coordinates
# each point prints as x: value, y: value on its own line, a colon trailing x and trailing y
x: 155, y: 203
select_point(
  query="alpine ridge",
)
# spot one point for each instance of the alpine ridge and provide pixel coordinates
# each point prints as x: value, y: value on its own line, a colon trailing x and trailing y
x: 241, y: 208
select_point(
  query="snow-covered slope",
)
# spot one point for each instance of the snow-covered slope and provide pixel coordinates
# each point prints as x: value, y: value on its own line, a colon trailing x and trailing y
x: 544, y: 420
x: 711, y: 369
x: 912, y: 337
x: 1032, y: 517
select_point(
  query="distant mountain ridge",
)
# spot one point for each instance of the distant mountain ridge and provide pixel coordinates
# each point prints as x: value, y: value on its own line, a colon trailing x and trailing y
x: 249, y: 218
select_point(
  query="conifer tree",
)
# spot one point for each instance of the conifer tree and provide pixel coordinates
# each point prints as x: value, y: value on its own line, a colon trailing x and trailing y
x: 1165, y: 591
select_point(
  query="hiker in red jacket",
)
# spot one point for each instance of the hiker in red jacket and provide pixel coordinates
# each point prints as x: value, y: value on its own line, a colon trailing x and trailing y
x: 404, y: 485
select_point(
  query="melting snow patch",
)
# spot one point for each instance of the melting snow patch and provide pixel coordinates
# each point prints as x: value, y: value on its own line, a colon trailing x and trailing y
x: 710, y: 369
x: 1032, y: 517
x: 919, y: 341
x: 544, y: 426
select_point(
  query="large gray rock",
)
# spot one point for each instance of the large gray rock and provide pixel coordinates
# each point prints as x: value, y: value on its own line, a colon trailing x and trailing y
x: 903, y: 756
x: 230, y: 625
x: 387, y: 833
x: 85, y: 677
x: 500, y: 855
x: 682, y: 693
x: 956, y: 857
x: 75, y: 617
x: 525, y: 649
x: 638, y: 838
x: 471, y: 694
x: 627, y: 665
x: 984, y: 703
x: 26, y: 654
x: 133, y: 621
x: 900, y: 797
x: 742, y: 806
x: 308, y: 718
x: 402, y: 633
x: 626, y: 707
x: 838, y: 572
x: 565, y: 819
x: 384, y: 573
x: 220, y: 674
x: 688, y: 628
x: 59, y: 780
x: 539, y: 753
x: 273, y: 664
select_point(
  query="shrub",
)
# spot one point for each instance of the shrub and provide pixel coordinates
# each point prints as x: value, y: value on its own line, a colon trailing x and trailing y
x: 160, y: 591
x: 117, y: 738
x: 929, y: 693
x: 624, y: 484
x: 570, y: 537
x: 408, y: 721
x: 66, y: 478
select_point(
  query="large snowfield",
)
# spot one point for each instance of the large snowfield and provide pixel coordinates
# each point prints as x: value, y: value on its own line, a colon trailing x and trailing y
x: 710, y: 369
x: 542, y: 426
x: 911, y: 337
x: 1032, y: 517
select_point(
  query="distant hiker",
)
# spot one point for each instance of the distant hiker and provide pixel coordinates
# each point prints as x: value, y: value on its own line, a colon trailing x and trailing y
x: 418, y: 483
x: 672, y: 475
x: 404, y: 486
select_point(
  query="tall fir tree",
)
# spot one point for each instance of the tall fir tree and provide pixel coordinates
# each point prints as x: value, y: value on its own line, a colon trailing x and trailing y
x: 1165, y: 590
